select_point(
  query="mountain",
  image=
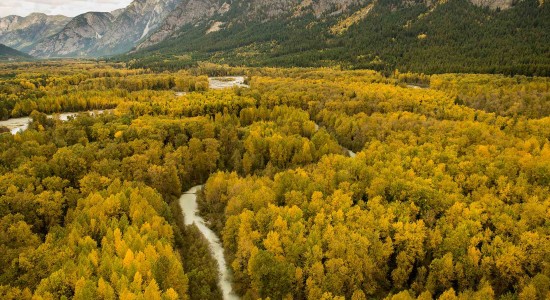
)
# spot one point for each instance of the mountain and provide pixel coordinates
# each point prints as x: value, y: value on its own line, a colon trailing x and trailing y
x: 196, y: 11
x: 76, y: 37
x: 137, y: 20
x: 486, y: 36
x: 96, y: 34
x: 21, y: 32
x: 117, y: 12
x: 9, y: 54
x: 187, y: 12
x: 212, y: 12
x: 431, y: 36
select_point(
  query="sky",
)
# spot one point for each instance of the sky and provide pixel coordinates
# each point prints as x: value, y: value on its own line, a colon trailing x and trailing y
x: 68, y: 8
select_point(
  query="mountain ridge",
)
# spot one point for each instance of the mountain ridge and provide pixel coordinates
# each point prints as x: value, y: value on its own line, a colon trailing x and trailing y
x: 117, y: 31
x: 21, y: 32
x: 137, y: 20
x: 79, y: 33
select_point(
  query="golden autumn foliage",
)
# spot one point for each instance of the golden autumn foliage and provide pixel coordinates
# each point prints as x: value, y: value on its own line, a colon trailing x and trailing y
x: 447, y: 197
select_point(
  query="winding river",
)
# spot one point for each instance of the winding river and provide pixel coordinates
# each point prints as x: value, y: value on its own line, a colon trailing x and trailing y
x: 16, y: 125
x: 188, y: 203
x: 189, y: 207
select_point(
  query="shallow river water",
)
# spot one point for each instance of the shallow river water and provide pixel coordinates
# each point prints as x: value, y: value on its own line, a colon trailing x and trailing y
x: 20, y: 124
x: 188, y: 203
x: 218, y: 83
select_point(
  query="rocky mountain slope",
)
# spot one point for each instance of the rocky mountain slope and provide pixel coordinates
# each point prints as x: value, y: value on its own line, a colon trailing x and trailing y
x: 187, y: 12
x: 21, y: 32
x: 139, y: 19
x: 76, y: 37
x: 90, y: 34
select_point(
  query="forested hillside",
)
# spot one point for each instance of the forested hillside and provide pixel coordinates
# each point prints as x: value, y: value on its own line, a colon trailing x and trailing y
x: 417, y: 36
x: 447, y: 197
x: 445, y: 36
x: 9, y: 54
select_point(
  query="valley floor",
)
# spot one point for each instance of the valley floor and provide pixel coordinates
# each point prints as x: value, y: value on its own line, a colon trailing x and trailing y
x: 319, y: 183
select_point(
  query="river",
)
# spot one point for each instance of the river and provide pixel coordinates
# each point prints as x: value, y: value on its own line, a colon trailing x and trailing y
x: 16, y: 125
x: 189, y: 207
x: 418, y: 87
x: 218, y: 83
x: 188, y: 203
x: 350, y: 153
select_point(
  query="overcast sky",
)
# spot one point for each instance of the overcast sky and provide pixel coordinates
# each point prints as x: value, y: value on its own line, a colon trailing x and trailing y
x: 68, y: 8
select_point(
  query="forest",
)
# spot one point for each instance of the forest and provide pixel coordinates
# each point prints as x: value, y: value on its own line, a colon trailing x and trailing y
x: 432, y: 37
x: 446, y: 195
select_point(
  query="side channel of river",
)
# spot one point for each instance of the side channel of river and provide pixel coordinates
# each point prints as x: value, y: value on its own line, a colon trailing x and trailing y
x: 189, y: 207
x: 21, y: 124
x: 16, y: 125
x: 218, y: 83
x: 188, y: 203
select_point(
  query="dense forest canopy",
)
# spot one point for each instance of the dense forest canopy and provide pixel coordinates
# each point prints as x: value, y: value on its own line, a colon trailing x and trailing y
x: 448, y: 196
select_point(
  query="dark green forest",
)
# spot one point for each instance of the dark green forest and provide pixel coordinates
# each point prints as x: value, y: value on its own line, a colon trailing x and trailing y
x: 452, y: 36
x: 7, y: 53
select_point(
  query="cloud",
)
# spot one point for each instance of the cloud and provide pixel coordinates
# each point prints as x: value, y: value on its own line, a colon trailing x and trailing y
x: 69, y: 8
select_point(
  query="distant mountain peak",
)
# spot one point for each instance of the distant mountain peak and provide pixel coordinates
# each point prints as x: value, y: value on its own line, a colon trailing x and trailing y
x: 22, y: 32
x: 95, y: 34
